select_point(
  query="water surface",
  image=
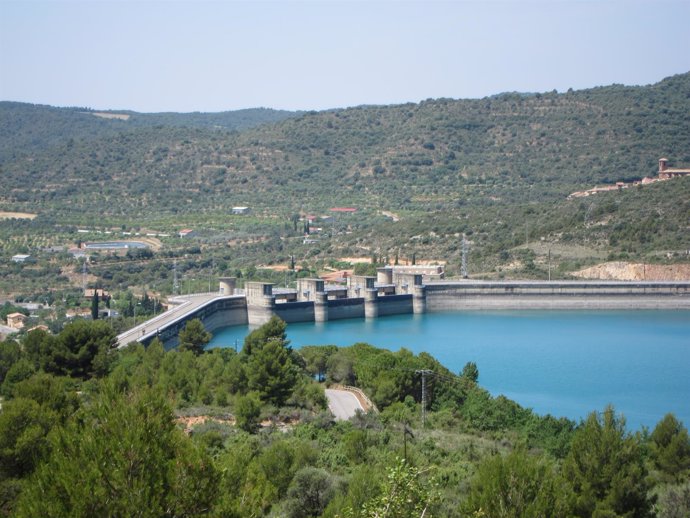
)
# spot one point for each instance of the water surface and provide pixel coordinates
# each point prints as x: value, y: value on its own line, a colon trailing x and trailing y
x: 566, y: 363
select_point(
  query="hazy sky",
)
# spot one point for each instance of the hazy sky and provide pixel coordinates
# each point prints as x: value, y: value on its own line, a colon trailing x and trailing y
x: 223, y: 55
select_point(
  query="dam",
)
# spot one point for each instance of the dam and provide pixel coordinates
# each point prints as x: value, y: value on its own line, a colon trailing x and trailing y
x: 396, y: 293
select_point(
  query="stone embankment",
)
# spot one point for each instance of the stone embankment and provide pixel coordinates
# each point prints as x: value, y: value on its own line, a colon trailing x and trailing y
x: 623, y: 271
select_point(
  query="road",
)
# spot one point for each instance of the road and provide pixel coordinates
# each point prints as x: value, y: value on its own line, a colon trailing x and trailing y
x: 342, y: 404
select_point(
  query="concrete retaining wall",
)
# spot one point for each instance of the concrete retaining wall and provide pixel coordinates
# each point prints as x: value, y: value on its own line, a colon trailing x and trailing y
x: 258, y: 315
x: 295, y: 311
x: 340, y: 309
x: 556, y: 295
x: 226, y: 317
x: 214, y: 315
x: 395, y: 305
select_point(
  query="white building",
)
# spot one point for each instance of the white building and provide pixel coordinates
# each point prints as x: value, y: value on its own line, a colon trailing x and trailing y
x: 186, y: 232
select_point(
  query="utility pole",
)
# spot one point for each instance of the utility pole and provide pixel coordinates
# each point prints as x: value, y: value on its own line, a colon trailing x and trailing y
x: 424, y: 373
x: 176, y: 282
x: 406, y: 432
x: 83, y: 276
x: 463, y: 264
x: 549, y: 265
x: 526, y: 234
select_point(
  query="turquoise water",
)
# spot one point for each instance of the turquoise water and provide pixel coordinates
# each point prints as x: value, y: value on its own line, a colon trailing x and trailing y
x: 565, y: 363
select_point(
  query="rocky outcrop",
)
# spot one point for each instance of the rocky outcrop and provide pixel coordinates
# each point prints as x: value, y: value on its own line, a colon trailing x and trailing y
x: 623, y: 271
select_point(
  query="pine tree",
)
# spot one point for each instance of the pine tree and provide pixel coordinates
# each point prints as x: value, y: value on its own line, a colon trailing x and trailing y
x: 670, y: 448
x: 271, y: 371
x: 606, y: 469
x: 122, y: 456
x: 194, y: 337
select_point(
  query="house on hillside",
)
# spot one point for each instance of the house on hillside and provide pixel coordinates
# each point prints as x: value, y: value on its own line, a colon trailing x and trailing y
x: 21, y: 258
x: 102, y: 294
x: 668, y: 172
x: 241, y: 211
x: 186, y: 232
x: 16, y: 320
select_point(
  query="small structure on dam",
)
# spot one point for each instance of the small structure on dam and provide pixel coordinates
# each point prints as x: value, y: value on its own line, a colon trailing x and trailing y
x: 315, y: 301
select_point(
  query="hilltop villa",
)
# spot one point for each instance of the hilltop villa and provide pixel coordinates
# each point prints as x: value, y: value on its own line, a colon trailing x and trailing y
x: 666, y: 172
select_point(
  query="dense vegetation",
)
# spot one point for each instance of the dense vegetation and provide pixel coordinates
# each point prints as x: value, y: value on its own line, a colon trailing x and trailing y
x: 29, y: 128
x: 90, y: 431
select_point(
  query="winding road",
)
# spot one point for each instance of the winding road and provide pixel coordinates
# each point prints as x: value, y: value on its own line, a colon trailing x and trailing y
x: 342, y: 404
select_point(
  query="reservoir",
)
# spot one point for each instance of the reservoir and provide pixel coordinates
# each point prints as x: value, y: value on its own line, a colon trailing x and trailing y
x: 564, y: 363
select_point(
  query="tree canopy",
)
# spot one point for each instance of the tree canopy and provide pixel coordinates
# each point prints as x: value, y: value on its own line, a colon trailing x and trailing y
x: 194, y: 337
x: 605, y: 467
x: 671, y: 448
x: 123, y: 456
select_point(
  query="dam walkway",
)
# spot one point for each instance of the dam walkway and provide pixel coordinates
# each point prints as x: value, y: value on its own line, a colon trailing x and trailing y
x: 183, y: 306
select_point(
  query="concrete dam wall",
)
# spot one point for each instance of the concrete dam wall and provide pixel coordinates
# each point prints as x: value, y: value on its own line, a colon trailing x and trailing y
x: 468, y: 295
x: 314, y: 302
x: 215, y: 314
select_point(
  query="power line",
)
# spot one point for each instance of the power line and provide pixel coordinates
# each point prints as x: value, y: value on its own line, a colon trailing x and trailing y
x: 424, y: 373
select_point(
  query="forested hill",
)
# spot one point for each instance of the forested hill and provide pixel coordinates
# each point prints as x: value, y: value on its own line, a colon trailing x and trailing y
x: 498, y: 169
x: 30, y: 128
x: 435, y: 154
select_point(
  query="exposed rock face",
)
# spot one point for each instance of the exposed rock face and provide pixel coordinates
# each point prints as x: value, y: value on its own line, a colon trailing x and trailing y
x: 622, y: 271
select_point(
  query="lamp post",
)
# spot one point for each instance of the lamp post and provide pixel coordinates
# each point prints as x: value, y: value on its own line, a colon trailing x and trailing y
x: 135, y: 312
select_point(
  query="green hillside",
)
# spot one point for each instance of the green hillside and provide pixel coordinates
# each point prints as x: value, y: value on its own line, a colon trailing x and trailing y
x: 29, y: 128
x: 498, y: 169
x: 435, y: 154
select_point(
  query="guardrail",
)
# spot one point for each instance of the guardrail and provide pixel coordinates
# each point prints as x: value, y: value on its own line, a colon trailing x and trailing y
x: 364, y: 400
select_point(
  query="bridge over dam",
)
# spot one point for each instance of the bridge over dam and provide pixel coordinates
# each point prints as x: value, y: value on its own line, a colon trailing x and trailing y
x: 393, y: 294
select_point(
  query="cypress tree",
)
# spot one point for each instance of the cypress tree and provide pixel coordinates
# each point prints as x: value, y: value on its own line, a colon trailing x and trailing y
x: 94, y: 304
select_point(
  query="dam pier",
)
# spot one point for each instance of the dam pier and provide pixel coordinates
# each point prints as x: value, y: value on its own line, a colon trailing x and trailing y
x: 394, y: 293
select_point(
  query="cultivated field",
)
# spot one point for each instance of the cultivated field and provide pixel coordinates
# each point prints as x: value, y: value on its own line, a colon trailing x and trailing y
x: 16, y: 215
